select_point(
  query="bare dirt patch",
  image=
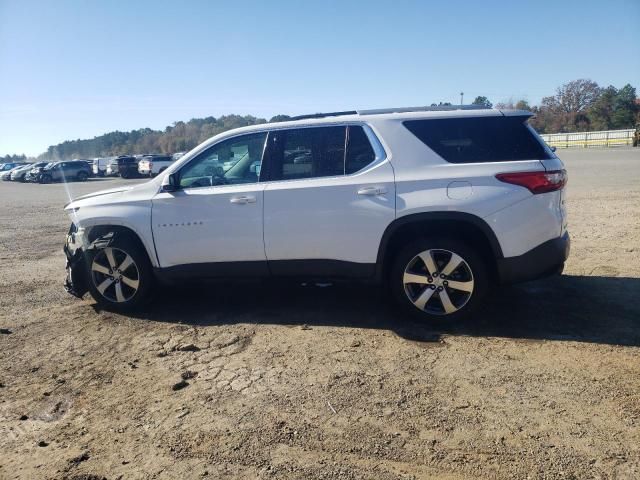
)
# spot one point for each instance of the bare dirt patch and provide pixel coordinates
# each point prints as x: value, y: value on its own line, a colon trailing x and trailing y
x: 284, y: 381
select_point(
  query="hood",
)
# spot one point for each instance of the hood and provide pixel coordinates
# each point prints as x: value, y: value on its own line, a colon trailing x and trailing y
x: 121, y: 194
x: 108, y: 191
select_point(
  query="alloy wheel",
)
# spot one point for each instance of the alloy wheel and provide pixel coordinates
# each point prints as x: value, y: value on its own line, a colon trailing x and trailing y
x: 115, y: 274
x: 438, y: 281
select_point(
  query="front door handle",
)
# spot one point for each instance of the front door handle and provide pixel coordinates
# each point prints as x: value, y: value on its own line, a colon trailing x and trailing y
x: 372, y: 191
x: 243, y: 199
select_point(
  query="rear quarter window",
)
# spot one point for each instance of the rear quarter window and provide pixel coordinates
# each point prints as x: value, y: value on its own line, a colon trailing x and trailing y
x: 479, y: 139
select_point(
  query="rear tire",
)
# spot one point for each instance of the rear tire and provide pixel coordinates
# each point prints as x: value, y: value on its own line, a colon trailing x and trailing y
x: 120, y: 276
x: 460, y: 283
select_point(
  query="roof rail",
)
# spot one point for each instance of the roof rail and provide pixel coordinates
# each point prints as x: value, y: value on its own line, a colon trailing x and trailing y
x: 434, y: 108
x: 321, y: 115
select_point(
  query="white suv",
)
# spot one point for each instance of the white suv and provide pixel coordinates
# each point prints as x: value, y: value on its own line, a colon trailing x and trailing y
x: 437, y: 204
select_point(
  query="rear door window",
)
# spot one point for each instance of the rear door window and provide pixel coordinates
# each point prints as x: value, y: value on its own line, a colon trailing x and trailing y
x: 479, y: 139
x: 359, y: 150
x: 307, y: 153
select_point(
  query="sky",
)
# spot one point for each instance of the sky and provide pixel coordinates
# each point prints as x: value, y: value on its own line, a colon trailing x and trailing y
x: 78, y: 69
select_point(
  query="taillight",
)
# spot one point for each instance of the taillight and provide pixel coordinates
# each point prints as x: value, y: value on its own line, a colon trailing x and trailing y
x: 536, y: 182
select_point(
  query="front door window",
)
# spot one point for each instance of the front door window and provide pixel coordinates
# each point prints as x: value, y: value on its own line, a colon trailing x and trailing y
x: 230, y: 162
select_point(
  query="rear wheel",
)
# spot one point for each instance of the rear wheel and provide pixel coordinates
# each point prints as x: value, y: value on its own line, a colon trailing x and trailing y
x: 439, y: 279
x: 120, y: 275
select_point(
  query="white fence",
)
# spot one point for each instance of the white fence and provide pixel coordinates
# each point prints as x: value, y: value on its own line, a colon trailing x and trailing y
x: 610, y: 138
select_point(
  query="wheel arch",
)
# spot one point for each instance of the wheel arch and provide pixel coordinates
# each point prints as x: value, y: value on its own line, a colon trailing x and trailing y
x: 94, y: 232
x: 472, y: 228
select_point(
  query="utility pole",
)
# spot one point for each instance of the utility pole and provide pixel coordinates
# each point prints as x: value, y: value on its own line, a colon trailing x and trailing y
x: 461, y: 98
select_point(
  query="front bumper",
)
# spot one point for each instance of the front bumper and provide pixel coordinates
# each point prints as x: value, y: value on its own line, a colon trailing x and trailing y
x: 76, y: 279
x: 541, y: 261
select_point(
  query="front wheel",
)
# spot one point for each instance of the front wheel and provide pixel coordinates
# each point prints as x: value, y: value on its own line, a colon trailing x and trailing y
x: 120, y: 275
x: 82, y: 176
x: 45, y: 179
x: 439, y: 279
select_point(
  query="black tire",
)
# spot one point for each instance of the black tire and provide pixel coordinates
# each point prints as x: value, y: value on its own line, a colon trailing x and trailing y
x: 128, y: 245
x: 474, y: 269
x: 45, y: 179
x: 124, y: 175
x: 82, y: 176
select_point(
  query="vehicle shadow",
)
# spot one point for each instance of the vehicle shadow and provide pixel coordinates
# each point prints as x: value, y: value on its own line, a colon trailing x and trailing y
x: 578, y: 308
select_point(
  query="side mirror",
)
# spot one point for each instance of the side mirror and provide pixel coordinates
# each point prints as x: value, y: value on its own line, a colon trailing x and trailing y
x: 171, y: 183
x: 553, y: 149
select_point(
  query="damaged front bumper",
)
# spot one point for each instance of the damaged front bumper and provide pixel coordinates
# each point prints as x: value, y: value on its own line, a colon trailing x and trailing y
x: 76, y: 249
x: 76, y: 279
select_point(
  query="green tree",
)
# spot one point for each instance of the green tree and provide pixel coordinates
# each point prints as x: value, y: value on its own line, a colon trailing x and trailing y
x: 625, y: 108
x: 279, y: 118
x: 601, y: 111
x: 484, y: 101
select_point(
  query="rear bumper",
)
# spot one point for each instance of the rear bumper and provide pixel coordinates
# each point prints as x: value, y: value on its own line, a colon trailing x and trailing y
x: 541, y: 261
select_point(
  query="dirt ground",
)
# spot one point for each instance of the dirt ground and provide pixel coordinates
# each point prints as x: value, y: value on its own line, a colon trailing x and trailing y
x: 279, y: 381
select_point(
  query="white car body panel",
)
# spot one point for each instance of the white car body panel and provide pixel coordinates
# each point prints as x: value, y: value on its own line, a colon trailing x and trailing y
x: 326, y: 218
x: 203, y: 225
x: 124, y: 206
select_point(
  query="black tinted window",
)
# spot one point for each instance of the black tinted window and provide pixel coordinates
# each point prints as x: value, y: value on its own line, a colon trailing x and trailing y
x: 359, y: 151
x: 479, y: 139
x: 308, y: 152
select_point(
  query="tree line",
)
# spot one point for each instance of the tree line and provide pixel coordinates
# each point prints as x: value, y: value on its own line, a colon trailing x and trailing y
x: 580, y: 105
x: 179, y: 137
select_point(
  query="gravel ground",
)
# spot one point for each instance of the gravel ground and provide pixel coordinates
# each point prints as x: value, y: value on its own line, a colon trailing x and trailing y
x: 278, y: 381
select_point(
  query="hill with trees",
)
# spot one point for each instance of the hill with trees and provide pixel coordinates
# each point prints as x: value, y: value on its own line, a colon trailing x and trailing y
x: 179, y: 137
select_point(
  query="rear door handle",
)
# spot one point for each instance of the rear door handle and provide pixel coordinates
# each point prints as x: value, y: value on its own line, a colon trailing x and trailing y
x: 243, y: 199
x: 372, y: 191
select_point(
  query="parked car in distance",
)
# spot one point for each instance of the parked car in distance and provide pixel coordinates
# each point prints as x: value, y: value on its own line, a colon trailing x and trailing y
x: 112, y: 168
x: 6, y: 174
x: 99, y: 166
x: 20, y: 174
x: 33, y: 174
x: 125, y: 165
x: 152, y: 165
x: 438, y: 205
x: 10, y: 166
x: 66, y: 171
